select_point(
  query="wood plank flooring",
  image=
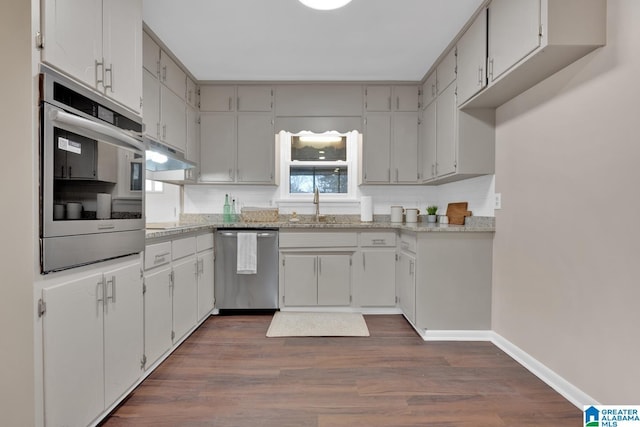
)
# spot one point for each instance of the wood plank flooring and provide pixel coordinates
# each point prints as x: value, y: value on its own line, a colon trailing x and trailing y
x: 229, y: 374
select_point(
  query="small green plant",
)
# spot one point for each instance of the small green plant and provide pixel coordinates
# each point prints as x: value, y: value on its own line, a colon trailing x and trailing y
x: 431, y: 210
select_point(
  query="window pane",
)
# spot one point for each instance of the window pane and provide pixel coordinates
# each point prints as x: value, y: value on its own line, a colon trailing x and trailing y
x: 319, y: 148
x: 303, y: 179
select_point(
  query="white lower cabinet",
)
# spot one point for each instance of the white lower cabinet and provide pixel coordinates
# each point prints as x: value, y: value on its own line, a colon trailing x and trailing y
x: 157, y: 313
x: 406, y: 283
x: 178, y: 283
x: 92, y: 342
x: 311, y: 279
x: 375, y: 286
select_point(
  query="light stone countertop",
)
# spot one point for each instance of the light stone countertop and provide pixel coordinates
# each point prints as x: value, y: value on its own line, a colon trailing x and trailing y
x: 201, y: 222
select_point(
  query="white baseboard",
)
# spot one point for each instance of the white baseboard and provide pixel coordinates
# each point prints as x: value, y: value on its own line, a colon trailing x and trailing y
x: 570, y: 392
x: 455, y: 335
x: 362, y: 310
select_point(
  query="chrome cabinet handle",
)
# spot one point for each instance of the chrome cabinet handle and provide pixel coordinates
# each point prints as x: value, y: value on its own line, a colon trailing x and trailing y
x: 111, y: 284
x: 99, y: 64
x: 164, y: 73
x: 100, y: 290
x: 490, y: 68
x: 379, y: 241
x: 110, y: 85
x: 480, y: 76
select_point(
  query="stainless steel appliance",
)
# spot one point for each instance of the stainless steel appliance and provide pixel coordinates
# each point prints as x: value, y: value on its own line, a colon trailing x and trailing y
x: 257, y: 291
x: 91, y: 154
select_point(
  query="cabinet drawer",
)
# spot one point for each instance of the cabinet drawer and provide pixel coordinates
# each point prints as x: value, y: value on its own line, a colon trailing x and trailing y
x: 157, y: 254
x: 372, y: 239
x: 204, y: 242
x: 318, y: 240
x: 408, y: 242
x: 181, y: 248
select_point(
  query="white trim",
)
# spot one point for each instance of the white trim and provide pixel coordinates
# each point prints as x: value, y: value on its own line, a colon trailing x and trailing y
x: 570, y: 392
x: 455, y: 335
x: 332, y: 309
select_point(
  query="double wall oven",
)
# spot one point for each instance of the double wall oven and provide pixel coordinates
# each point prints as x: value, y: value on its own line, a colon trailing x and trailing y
x: 91, y: 176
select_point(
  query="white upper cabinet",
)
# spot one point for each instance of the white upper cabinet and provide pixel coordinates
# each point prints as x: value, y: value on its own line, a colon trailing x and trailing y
x: 172, y: 75
x: 529, y: 40
x: 217, y: 98
x: 150, y: 55
x: 173, y: 119
x: 472, y: 59
x: 446, y: 71
x: 254, y: 98
x: 405, y: 98
x: 72, y: 38
x: 377, y: 98
x: 514, y: 32
x: 151, y: 114
x: 122, y: 50
x: 193, y: 97
x: 429, y: 91
x: 218, y: 135
x: 99, y: 43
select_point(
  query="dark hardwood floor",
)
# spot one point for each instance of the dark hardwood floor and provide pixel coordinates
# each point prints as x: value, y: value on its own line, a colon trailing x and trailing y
x: 229, y: 374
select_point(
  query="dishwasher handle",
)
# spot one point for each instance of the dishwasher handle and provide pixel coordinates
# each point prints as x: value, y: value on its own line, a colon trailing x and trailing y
x: 260, y: 234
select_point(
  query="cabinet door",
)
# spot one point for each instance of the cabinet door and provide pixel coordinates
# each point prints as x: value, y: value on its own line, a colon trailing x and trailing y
x: 405, y: 147
x: 429, y: 91
x: 72, y: 30
x: 428, y: 141
x: 157, y: 314
x: 122, y: 50
x: 514, y: 32
x: 205, y: 283
x: 123, y: 330
x: 472, y: 59
x: 217, y: 147
x: 254, y: 98
x: 217, y: 98
x: 151, y: 105
x: 334, y: 279
x: 174, y: 119
x: 300, y: 280
x: 377, y: 148
x: 150, y: 55
x: 446, y: 132
x: 185, y: 296
x: 172, y: 76
x: 407, y: 285
x: 73, y: 352
x: 192, y: 93
x: 256, y: 146
x: 377, y: 288
x: 377, y: 98
x: 193, y: 134
x: 405, y: 98
x: 446, y: 71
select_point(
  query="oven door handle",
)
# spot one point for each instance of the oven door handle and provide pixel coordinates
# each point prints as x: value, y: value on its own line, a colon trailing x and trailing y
x: 116, y: 136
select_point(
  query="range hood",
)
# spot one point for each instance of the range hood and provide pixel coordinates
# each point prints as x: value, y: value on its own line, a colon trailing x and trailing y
x: 162, y: 158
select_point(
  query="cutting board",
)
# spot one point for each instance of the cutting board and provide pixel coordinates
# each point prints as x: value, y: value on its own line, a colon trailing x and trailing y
x: 457, y: 212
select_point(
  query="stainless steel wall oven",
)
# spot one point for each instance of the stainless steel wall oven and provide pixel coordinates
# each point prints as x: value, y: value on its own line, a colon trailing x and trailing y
x: 91, y: 176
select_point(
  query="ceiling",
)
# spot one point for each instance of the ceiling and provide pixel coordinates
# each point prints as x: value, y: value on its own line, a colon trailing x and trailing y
x: 282, y: 40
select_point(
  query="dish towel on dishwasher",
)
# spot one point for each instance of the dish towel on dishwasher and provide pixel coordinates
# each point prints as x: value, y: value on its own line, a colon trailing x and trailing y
x: 247, y: 257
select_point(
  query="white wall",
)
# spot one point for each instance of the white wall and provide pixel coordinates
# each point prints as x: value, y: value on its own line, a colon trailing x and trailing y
x: 17, y: 260
x: 567, y: 244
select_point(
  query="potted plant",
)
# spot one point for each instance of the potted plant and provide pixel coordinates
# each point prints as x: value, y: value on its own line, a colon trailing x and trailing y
x: 431, y: 213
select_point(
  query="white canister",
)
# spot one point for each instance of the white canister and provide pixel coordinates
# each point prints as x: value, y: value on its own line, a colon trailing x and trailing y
x: 58, y: 211
x: 74, y: 210
x: 103, y: 209
x: 396, y: 214
x: 411, y: 215
x: 366, y: 209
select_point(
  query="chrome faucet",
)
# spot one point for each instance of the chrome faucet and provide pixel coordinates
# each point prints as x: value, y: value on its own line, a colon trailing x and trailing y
x: 316, y: 201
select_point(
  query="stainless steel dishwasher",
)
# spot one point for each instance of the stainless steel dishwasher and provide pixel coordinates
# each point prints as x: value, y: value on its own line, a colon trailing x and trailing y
x: 234, y: 291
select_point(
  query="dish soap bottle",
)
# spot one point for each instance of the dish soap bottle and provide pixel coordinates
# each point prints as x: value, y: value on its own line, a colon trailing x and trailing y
x: 226, y: 210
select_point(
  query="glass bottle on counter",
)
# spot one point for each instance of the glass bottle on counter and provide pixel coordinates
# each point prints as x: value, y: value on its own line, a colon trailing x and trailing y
x: 234, y: 213
x: 226, y: 210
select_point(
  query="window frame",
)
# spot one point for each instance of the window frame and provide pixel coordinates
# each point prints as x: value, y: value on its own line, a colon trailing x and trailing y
x: 351, y: 164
